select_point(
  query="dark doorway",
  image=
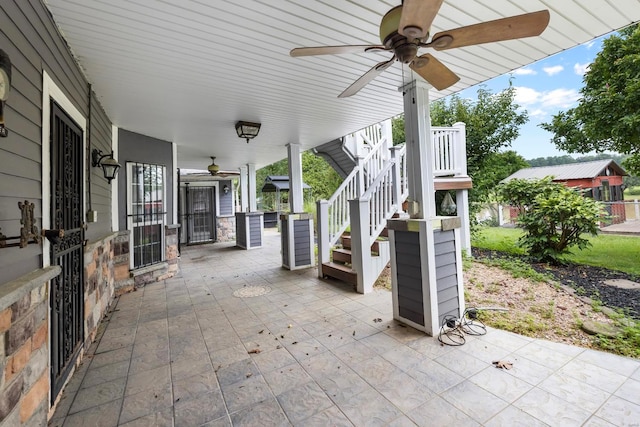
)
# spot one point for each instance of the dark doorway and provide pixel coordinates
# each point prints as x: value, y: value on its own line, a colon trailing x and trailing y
x: 67, y: 207
x: 198, y: 221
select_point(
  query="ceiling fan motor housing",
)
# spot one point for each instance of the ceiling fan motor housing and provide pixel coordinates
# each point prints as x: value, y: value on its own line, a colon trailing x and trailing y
x: 404, y: 49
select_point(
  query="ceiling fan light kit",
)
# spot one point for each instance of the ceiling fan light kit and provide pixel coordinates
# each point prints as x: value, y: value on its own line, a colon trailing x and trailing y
x: 404, y: 30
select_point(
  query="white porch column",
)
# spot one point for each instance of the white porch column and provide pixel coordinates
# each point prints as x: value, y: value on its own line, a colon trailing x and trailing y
x: 462, y: 205
x: 244, y: 189
x: 295, y: 178
x: 418, y: 142
x: 251, y: 190
x: 416, y: 292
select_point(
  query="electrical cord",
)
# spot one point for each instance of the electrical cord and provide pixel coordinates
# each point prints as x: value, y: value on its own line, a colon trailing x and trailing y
x: 453, y: 330
x: 471, y: 324
x: 450, y: 332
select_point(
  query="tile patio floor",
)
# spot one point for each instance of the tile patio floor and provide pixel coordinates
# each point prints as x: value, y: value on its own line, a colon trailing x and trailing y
x: 176, y: 353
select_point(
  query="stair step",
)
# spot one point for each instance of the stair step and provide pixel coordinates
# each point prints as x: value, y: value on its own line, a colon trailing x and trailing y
x: 340, y: 272
x: 384, y: 232
x: 346, y: 241
x: 342, y: 256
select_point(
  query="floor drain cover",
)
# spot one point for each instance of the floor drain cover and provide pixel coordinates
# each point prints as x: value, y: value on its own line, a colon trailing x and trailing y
x: 252, y: 291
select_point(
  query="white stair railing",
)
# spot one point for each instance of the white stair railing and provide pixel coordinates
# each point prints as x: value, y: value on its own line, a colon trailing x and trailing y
x: 378, y: 185
x: 381, y: 203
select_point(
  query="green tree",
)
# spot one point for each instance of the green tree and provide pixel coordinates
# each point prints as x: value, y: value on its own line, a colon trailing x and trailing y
x: 498, y: 166
x: 316, y: 172
x: 492, y: 122
x: 607, y: 117
x: 555, y: 218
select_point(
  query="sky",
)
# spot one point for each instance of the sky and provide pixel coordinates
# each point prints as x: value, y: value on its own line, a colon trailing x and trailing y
x: 544, y: 88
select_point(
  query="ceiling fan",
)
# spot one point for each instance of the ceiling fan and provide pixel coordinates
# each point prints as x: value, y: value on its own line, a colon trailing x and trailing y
x: 405, y: 29
x: 215, y: 170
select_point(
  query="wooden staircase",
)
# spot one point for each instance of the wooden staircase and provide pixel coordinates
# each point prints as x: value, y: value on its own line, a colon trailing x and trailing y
x: 340, y: 266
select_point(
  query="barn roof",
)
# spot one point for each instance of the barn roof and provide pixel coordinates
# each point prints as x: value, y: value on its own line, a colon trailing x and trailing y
x: 583, y: 170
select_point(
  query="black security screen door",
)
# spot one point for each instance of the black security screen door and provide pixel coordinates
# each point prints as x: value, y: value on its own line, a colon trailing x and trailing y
x: 200, y: 214
x: 67, y: 210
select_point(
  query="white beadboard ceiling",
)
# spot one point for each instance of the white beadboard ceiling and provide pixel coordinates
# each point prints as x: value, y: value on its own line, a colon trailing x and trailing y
x: 187, y: 70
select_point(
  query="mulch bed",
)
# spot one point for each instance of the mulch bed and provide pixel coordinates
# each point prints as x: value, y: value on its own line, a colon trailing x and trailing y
x: 586, y: 280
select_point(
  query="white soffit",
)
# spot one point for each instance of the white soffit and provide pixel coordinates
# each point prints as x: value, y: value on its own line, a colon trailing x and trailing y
x: 187, y: 70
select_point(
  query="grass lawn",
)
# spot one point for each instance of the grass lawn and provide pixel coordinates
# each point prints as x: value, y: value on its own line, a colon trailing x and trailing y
x: 609, y: 251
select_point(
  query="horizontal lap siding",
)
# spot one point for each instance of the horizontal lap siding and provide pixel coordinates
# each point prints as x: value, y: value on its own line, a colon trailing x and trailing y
x: 30, y: 38
x: 241, y: 231
x: 254, y: 231
x: 446, y: 274
x: 302, y: 242
x: 284, y: 227
x: 100, y: 137
x: 226, y: 200
x: 410, y: 298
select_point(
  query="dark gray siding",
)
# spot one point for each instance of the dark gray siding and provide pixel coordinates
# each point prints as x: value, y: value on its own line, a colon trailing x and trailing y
x: 99, y: 136
x: 226, y: 200
x: 134, y: 147
x: 410, y: 298
x: 284, y: 240
x: 446, y: 274
x: 31, y: 39
x: 241, y: 230
x: 255, y: 232
x: 302, y: 243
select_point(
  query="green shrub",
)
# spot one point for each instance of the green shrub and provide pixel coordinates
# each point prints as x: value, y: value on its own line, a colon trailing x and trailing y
x: 555, y: 218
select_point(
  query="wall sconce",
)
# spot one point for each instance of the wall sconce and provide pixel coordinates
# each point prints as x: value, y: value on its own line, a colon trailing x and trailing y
x: 109, y: 165
x: 225, y: 189
x: 247, y: 130
x: 5, y: 87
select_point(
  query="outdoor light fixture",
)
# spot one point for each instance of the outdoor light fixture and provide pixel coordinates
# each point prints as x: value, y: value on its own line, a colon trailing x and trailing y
x: 225, y: 189
x: 109, y: 165
x: 5, y: 87
x: 247, y: 130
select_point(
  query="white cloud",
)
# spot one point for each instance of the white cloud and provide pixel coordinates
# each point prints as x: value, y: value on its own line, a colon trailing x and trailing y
x: 525, y: 72
x: 580, y: 69
x: 526, y: 95
x: 553, y: 70
x: 542, y: 104
x: 538, y: 113
x: 560, y: 98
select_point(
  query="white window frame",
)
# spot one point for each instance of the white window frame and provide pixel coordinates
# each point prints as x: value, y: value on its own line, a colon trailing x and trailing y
x: 130, y: 213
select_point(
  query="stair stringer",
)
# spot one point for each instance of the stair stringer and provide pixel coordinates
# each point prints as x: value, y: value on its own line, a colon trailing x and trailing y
x: 378, y: 264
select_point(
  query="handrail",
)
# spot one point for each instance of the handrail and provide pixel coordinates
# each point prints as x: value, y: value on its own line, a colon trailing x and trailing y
x: 380, y: 199
x: 338, y: 206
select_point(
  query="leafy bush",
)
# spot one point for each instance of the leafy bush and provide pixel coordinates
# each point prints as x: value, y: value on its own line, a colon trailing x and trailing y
x: 553, y: 216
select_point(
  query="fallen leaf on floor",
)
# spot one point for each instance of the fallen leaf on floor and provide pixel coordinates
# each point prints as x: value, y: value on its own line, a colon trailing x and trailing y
x: 255, y: 351
x: 503, y: 364
x: 377, y: 320
x: 249, y: 374
x: 261, y: 332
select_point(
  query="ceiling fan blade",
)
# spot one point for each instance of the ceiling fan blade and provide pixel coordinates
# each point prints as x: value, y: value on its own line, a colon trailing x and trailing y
x: 417, y: 16
x: 374, y: 72
x: 333, y: 50
x: 434, y: 71
x: 514, y: 27
x: 226, y: 174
